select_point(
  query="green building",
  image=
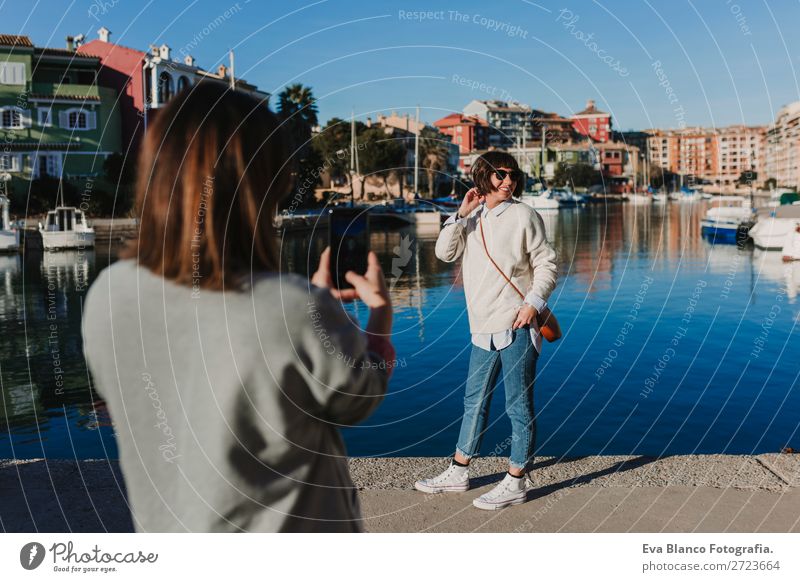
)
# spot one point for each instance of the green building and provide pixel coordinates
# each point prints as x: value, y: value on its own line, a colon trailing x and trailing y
x: 54, y: 119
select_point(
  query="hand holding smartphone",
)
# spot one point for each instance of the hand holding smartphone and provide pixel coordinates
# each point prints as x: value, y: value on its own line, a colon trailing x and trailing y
x: 348, y: 230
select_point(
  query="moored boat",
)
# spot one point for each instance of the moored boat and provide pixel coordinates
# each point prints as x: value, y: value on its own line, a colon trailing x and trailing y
x: 66, y: 228
x: 9, y: 237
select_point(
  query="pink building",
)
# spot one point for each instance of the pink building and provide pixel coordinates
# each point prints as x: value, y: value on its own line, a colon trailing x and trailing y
x: 146, y: 81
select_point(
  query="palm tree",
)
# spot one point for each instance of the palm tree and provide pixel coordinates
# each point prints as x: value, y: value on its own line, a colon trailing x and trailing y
x: 434, y: 154
x: 297, y: 110
x: 296, y: 102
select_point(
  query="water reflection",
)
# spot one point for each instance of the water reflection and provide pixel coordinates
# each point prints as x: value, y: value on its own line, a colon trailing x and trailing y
x: 604, y: 253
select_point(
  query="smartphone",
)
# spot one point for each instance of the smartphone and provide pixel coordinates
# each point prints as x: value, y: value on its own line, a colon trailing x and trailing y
x: 348, y: 231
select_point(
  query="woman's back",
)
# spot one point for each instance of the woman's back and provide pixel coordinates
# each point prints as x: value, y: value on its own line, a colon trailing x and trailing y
x: 226, y: 403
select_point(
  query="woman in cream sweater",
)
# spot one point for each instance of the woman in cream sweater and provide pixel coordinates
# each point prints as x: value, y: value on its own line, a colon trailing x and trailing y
x: 505, y: 334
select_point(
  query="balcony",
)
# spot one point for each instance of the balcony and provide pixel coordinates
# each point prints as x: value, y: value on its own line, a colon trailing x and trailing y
x: 91, y: 91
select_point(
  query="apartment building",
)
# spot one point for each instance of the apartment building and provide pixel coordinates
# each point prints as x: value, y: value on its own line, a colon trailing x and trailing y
x: 716, y: 155
x: 55, y: 119
x: 782, y: 147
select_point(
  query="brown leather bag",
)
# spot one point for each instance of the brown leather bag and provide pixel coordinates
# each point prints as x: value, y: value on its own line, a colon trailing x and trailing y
x: 548, y: 324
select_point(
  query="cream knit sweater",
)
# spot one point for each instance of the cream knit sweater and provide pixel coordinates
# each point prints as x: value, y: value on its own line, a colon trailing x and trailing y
x: 516, y: 240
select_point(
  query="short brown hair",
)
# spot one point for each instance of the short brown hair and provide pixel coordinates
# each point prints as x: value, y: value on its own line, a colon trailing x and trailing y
x: 486, y: 164
x: 212, y: 170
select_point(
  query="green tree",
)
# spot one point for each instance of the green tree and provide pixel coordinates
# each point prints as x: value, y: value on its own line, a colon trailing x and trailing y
x: 332, y: 144
x: 379, y: 154
x: 578, y: 175
x: 297, y: 110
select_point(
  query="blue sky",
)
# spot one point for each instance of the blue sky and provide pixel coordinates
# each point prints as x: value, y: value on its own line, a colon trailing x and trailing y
x: 650, y: 63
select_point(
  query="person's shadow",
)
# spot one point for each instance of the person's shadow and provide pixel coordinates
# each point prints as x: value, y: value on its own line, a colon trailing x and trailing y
x: 545, y: 490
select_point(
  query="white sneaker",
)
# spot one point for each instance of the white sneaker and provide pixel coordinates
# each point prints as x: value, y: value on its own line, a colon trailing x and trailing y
x: 510, y: 491
x: 454, y: 478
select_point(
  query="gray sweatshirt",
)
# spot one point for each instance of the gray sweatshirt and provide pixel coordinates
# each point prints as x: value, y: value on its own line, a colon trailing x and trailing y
x: 226, y: 405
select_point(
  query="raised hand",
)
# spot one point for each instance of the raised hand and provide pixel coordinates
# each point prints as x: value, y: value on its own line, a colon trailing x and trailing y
x: 472, y: 199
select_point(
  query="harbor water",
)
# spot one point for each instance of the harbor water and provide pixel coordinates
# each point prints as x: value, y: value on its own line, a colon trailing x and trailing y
x: 672, y: 345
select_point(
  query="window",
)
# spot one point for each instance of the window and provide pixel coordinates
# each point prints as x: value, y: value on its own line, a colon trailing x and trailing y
x: 183, y: 83
x: 45, y: 116
x: 9, y: 163
x: 77, y: 119
x: 47, y: 165
x: 166, y: 87
x: 14, y: 118
x: 12, y: 73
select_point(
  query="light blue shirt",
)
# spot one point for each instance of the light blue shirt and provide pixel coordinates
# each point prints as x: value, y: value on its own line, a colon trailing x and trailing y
x: 502, y: 339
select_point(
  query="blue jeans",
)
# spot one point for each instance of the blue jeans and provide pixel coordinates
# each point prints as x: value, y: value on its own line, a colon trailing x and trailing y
x: 518, y: 363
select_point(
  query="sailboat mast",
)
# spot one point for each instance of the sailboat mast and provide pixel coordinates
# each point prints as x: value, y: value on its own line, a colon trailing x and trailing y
x: 353, y: 159
x: 416, y: 156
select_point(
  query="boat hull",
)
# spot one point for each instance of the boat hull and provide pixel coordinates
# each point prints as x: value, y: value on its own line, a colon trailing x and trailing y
x: 9, y: 241
x: 541, y: 203
x: 52, y: 241
x: 770, y: 233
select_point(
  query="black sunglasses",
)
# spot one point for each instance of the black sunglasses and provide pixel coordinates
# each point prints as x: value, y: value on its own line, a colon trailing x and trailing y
x: 516, y: 175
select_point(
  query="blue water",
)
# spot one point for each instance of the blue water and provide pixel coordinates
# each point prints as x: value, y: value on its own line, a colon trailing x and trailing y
x: 672, y: 345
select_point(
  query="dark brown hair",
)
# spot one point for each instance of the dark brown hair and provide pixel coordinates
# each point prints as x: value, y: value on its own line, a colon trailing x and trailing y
x: 212, y: 170
x: 486, y: 164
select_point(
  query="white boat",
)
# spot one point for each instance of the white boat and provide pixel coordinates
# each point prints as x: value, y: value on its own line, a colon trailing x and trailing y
x: 639, y: 198
x: 9, y: 237
x: 567, y: 198
x: 791, y: 244
x: 660, y: 197
x: 773, y: 225
x: 66, y: 228
x: 691, y: 196
x: 726, y: 217
x: 541, y: 201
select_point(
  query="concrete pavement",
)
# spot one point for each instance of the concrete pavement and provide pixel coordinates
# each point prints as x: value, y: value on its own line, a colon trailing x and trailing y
x: 706, y: 493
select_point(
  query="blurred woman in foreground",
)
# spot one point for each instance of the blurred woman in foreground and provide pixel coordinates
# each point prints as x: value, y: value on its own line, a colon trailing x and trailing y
x: 226, y: 379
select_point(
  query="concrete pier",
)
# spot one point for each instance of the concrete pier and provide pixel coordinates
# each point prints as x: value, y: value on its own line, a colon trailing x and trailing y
x: 686, y: 493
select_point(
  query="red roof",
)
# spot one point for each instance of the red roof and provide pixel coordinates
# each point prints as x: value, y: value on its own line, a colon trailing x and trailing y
x: 459, y: 119
x: 15, y: 40
x: 591, y: 109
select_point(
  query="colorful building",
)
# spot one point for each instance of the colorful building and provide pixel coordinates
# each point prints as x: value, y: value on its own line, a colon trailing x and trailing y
x: 718, y: 156
x: 509, y: 123
x: 146, y: 81
x: 468, y: 133
x: 592, y: 122
x: 782, y: 148
x: 55, y: 119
